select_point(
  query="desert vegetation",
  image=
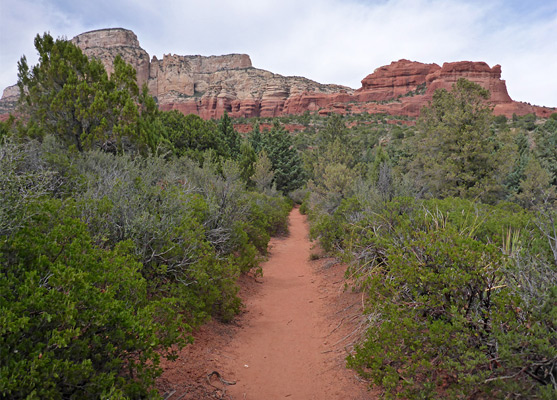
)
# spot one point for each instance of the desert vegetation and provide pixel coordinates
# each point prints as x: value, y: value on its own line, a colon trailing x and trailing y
x: 448, y: 228
x: 122, y: 228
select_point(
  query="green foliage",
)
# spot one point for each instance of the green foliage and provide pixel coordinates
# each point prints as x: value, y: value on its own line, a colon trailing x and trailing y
x: 247, y: 162
x: 134, y: 253
x: 109, y: 258
x: 71, y: 97
x: 526, y: 122
x: 500, y: 120
x: 537, y: 193
x: 76, y: 322
x: 286, y: 163
x: 512, y: 181
x: 535, y: 187
x: 333, y: 165
x: 546, y: 147
x: 189, y: 135
x: 186, y: 222
x: 24, y: 177
x: 255, y: 137
x: 440, y: 289
x: 335, y: 129
x: 379, y: 160
x: 456, y: 153
x: 268, y: 217
x: 6, y: 128
x: 229, y: 136
x: 459, y: 296
x: 263, y: 174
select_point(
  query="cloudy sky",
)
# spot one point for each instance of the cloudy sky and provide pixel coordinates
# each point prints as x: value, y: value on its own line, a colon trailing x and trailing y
x: 330, y: 41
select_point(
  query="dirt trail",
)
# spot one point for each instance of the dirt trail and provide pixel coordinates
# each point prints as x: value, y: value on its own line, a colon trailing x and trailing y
x: 291, y: 341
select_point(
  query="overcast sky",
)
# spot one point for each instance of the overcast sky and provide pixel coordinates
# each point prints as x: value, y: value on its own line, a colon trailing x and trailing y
x: 330, y: 41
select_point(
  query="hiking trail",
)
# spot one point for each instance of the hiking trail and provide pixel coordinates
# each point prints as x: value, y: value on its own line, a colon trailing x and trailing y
x: 291, y: 341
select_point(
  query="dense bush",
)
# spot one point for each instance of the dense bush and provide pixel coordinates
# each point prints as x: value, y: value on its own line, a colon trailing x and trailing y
x: 460, y: 297
x: 108, y: 261
x: 121, y: 229
x: 76, y: 320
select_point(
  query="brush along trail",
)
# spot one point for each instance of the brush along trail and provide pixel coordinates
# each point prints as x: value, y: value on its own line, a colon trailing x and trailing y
x: 291, y: 340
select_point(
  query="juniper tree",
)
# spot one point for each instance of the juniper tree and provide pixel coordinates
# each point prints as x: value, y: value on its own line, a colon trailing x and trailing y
x: 287, y: 164
x: 72, y: 97
x: 456, y: 152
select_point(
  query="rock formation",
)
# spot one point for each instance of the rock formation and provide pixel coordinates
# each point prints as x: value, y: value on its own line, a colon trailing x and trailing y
x: 209, y: 86
x: 396, y: 79
x: 404, y: 87
x: 106, y: 44
x: 8, y: 103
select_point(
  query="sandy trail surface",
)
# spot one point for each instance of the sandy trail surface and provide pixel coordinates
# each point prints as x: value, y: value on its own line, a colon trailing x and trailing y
x: 290, y: 342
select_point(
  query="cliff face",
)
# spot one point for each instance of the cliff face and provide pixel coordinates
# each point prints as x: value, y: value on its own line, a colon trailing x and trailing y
x: 8, y: 103
x: 404, y: 87
x: 478, y: 72
x: 106, y: 44
x: 209, y: 86
x: 396, y: 79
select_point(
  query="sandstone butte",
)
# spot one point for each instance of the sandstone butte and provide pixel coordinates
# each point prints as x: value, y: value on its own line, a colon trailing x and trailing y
x: 209, y: 86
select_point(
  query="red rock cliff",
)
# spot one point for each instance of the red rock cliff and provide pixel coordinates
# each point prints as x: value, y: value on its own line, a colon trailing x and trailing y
x: 396, y: 79
x: 106, y: 44
x: 209, y: 86
x: 477, y: 72
x: 404, y: 87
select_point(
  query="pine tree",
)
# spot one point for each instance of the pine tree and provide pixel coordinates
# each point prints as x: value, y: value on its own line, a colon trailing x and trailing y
x: 229, y: 136
x: 456, y: 152
x: 255, y: 137
x: 286, y: 162
x: 247, y: 162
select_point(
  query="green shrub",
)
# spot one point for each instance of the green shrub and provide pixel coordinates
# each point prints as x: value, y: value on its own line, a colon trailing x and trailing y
x: 441, y: 290
x: 460, y: 297
x: 101, y: 282
x: 75, y: 318
x: 268, y: 216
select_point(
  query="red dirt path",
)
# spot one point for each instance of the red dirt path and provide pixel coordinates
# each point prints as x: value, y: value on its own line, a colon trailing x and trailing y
x: 290, y: 342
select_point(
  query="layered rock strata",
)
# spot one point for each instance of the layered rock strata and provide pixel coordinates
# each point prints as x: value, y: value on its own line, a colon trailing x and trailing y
x: 8, y: 103
x: 209, y: 86
x: 106, y: 44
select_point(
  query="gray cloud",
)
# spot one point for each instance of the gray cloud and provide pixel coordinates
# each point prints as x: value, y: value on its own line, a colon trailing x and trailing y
x: 331, y: 41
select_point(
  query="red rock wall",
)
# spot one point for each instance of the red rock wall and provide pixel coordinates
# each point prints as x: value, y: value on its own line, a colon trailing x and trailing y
x: 396, y: 79
x: 209, y: 86
x: 477, y: 72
